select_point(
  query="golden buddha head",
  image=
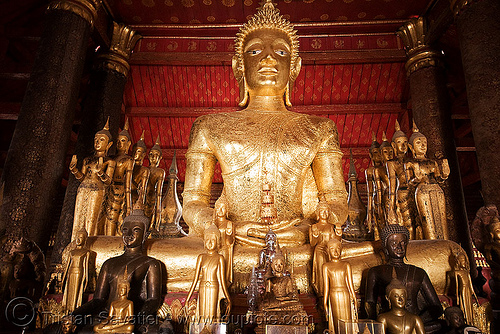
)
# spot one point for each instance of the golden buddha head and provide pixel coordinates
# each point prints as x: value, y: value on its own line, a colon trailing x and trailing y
x: 461, y: 261
x: 124, y: 140
x: 494, y: 229
x: 220, y: 208
x: 68, y: 324
x: 278, y: 263
x: 396, y: 294
x: 266, y: 62
x: 211, y: 238
x: 103, y: 139
x: 323, y: 210
x: 81, y: 237
x: 271, y: 239
x: 155, y: 153
x: 139, y: 149
x: 386, y: 149
x: 418, y: 142
x: 334, y: 247
x: 399, y: 140
x: 374, y: 150
x: 123, y: 284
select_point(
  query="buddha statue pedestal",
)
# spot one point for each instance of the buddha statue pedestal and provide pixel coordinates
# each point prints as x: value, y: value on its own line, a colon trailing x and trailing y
x: 179, y: 255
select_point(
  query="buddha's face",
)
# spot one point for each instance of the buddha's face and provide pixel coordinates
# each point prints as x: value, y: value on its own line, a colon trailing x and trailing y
x: 323, y: 212
x: 123, y: 144
x: 456, y: 319
x: 400, y: 145
x: 67, y: 325
x: 154, y: 157
x: 133, y: 234
x: 387, y: 153
x: 139, y: 153
x: 462, y: 261
x: 211, y: 241
x: 375, y: 154
x: 420, y: 146
x: 123, y: 290
x: 335, y: 250
x: 396, y: 245
x: 397, y: 298
x: 220, y: 210
x: 266, y: 59
x: 80, y: 239
x: 495, y: 231
x: 101, y: 142
x: 278, y: 265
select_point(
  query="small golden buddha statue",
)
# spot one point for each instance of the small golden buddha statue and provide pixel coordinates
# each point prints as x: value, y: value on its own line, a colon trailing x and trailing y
x: 77, y: 273
x: 339, y: 299
x: 424, y: 174
x: 140, y: 175
x: 319, y: 235
x: 119, y: 200
x: 121, y: 312
x: 464, y: 290
x: 280, y: 293
x: 382, y: 179
x: 399, y: 211
x: 300, y: 153
x: 154, y: 188
x: 96, y: 174
x: 398, y: 320
x: 374, y: 213
x: 226, y: 229
x: 212, y: 269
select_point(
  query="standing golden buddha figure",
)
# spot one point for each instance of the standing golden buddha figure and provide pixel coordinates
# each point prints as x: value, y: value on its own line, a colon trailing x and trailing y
x: 399, y: 211
x: 140, y: 175
x: 226, y: 229
x: 77, y: 273
x: 382, y: 178
x: 374, y: 214
x: 298, y: 154
x: 154, y: 187
x: 319, y: 235
x: 211, y: 273
x: 425, y: 174
x: 464, y: 290
x: 119, y: 199
x: 96, y: 174
x: 339, y: 300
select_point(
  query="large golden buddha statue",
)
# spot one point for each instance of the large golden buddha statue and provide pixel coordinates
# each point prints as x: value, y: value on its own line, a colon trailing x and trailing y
x: 297, y: 154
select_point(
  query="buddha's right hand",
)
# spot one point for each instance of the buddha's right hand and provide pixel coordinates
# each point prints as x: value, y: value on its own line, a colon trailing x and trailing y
x: 72, y: 164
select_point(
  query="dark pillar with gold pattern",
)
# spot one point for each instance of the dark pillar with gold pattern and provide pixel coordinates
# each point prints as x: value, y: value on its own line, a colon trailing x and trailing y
x: 479, y: 34
x: 103, y: 100
x: 431, y: 113
x: 36, y: 156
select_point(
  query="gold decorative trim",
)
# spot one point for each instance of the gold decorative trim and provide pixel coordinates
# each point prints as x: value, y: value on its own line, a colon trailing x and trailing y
x: 123, y: 42
x: 419, y: 54
x: 87, y: 9
x: 457, y: 6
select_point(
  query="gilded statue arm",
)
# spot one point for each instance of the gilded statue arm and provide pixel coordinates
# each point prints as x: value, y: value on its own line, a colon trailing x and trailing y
x: 411, y: 173
x: 128, y: 185
x: 419, y: 326
x: 326, y: 291
x: 313, y: 235
x: 221, y: 276
x: 143, y: 185
x: 369, y: 187
x: 79, y: 175
x: 195, y: 278
x: 200, y: 167
x: 158, y: 188
x: 101, y: 294
x: 106, y: 171
x: 329, y: 176
x: 350, y: 285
